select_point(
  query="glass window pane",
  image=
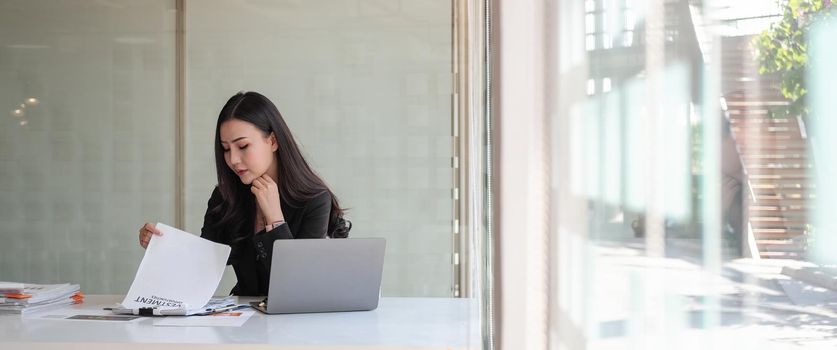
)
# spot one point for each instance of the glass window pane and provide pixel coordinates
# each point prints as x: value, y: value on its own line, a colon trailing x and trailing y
x: 590, y: 23
x: 693, y: 200
x: 630, y: 20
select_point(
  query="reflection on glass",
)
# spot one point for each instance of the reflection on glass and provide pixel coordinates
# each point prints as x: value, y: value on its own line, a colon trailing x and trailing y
x: 698, y: 176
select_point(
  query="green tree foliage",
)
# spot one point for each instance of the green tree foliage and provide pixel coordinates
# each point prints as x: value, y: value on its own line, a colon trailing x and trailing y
x: 783, y: 49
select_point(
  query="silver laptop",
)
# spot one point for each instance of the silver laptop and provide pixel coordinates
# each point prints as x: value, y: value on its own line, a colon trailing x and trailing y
x: 324, y: 275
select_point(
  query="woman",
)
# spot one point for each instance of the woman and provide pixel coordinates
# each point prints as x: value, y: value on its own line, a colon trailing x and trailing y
x: 266, y: 191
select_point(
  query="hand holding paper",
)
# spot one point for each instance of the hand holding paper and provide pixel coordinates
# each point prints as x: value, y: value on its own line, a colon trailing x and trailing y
x: 179, y: 271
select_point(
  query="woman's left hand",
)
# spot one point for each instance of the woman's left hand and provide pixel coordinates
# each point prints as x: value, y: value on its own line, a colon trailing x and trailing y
x: 267, y: 197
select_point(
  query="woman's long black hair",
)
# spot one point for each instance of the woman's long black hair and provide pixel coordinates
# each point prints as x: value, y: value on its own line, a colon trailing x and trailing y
x: 297, y: 182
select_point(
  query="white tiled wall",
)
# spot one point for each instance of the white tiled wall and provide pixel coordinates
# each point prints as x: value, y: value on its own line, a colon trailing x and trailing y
x: 95, y: 158
x: 365, y: 87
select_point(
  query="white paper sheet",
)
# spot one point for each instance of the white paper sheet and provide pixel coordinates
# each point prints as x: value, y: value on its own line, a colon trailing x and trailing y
x: 228, y: 319
x: 179, y: 271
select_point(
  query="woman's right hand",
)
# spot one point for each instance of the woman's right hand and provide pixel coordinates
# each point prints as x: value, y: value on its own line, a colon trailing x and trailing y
x: 145, y: 233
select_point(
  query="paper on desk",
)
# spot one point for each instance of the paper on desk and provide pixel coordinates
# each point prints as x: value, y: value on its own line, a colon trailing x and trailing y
x: 87, y: 315
x: 227, y: 319
x: 179, y: 271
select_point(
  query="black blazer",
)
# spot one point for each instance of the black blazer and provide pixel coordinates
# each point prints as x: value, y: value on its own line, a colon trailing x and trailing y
x: 251, y: 257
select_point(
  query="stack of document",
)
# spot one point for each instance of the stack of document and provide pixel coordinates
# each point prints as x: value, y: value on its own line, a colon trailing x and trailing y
x: 24, y: 298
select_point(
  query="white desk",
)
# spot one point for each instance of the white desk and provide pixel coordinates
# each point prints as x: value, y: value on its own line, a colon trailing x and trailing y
x: 401, y: 323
